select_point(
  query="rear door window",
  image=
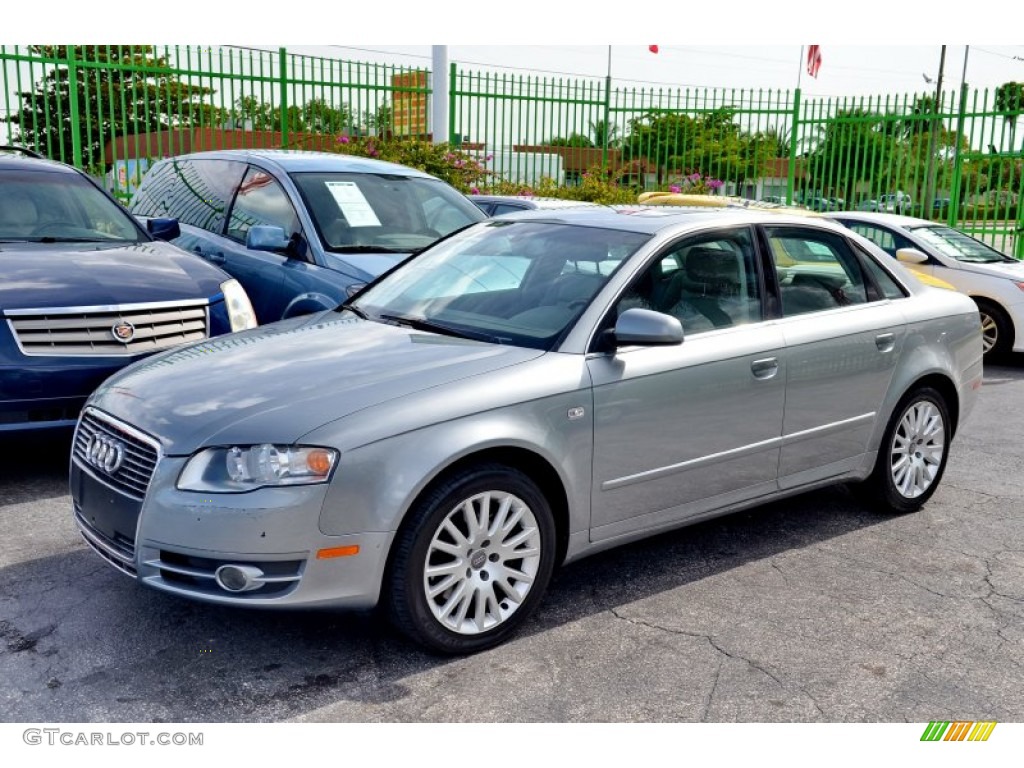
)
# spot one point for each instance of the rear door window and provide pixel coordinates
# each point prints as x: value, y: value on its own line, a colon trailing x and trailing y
x: 195, y: 192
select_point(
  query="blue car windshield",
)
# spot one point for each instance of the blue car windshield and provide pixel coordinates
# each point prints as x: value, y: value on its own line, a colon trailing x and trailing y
x: 356, y: 212
x: 41, y: 206
x: 513, y: 282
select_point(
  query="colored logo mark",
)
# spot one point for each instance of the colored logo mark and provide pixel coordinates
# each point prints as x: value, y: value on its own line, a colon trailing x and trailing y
x: 958, y: 731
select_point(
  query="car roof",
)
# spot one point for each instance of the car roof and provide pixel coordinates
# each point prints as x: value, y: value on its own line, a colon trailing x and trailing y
x: 298, y: 160
x: 12, y: 160
x: 651, y: 219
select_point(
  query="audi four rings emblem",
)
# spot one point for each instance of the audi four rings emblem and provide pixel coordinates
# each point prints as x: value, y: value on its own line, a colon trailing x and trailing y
x: 105, y: 453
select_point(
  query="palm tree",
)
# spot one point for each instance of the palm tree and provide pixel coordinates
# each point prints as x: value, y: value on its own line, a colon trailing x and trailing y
x: 1010, y: 101
x: 602, y: 131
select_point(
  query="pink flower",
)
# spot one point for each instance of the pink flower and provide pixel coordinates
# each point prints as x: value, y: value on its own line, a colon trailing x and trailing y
x: 474, y: 191
x: 715, y: 183
x: 458, y: 163
x: 488, y: 158
x: 675, y: 189
x: 343, y: 139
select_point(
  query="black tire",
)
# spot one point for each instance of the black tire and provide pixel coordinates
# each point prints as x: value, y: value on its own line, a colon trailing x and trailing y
x: 477, y: 572
x: 913, y: 453
x: 996, y: 329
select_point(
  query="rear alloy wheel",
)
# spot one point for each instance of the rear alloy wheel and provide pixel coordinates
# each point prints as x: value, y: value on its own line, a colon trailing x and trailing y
x: 475, y: 561
x: 996, y: 329
x: 913, y: 454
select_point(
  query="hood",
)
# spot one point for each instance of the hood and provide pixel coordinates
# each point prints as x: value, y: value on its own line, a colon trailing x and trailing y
x: 280, y: 381
x: 91, y: 274
x: 1013, y: 270
x: 364, y: 266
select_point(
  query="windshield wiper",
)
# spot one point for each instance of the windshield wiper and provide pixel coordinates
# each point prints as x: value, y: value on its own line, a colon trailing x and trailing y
x: 354, y: 310
x: 422, y: 324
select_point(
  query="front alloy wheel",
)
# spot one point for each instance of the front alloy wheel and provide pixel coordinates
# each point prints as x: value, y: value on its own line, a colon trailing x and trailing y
x: 474, y: 561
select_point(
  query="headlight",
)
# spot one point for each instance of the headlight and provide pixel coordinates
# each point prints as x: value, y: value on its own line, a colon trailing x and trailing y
x: 244, y: 468
x: 240, y: 313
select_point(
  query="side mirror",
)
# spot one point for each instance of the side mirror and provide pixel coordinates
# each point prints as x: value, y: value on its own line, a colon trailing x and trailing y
x: 646, y: 327
x: 911, y: 256
x: 163, y: 229
x: 263, y: 237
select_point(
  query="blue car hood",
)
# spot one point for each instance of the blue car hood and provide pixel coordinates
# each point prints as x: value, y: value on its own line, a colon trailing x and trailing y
x: 364, y: 267
x: 280, y: 381
x: 92, y: 274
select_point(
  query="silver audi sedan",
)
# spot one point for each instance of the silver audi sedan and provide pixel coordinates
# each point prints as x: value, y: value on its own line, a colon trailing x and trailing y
x: 528, y: 391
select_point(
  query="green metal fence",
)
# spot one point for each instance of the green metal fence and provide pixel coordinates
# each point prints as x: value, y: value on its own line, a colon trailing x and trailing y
x: 952, y: 156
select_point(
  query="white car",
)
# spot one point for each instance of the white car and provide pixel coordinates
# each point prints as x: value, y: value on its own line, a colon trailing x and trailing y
x: 994, y: 280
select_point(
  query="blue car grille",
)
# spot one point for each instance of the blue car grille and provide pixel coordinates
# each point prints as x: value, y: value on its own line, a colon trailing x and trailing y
x: 108, y: 331
x: 139, y: 455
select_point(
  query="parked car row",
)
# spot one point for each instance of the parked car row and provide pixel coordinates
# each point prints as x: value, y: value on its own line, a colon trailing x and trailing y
x: 442, y: 407
x: 86, y: 290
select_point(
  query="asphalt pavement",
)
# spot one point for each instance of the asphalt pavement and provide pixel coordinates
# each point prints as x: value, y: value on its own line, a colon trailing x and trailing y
x: 812, y: 609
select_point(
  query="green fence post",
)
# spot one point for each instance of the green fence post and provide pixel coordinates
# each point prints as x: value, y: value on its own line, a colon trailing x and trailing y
x: 284, y: 95
x: 76, y: 132
x: 954, y: 194
x: 453, y: 138
x: 793, y: 142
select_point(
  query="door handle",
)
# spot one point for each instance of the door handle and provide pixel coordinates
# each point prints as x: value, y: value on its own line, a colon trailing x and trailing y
x: 885, y: 342
x: 216, y: 258
x: 765, y: 368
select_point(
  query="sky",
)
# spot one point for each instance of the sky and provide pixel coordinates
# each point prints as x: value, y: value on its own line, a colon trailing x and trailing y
x: 867, y: 49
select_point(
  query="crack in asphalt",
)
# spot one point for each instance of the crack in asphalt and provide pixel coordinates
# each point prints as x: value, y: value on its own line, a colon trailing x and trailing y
x: 735, y: 656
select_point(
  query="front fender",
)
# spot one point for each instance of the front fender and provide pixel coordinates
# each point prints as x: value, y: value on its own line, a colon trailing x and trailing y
x: 309, y: 303
x: 376, y: 485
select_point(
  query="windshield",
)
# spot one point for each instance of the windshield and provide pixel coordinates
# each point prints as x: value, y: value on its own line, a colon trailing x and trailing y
x: 356, y: 212
x: 956, y: 245
x: 510, y: 282
x: 41, y: 206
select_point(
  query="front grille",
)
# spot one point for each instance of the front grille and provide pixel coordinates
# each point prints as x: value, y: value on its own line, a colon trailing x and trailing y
x: 89, y: 331
x: 140, y: 454
x: 118, y: 551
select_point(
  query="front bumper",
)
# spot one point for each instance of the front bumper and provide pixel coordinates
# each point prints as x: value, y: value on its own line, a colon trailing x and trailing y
x: 176, y: 540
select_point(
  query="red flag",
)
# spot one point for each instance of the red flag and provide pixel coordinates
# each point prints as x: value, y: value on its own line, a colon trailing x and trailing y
x: 813, y: 60
x: 652, y: 48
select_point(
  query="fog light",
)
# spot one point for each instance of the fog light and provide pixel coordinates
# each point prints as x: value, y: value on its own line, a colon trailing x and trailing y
x: 239, y: 578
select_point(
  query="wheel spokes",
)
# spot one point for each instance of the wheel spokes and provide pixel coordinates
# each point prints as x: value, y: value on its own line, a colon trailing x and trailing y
x: 481, y: 562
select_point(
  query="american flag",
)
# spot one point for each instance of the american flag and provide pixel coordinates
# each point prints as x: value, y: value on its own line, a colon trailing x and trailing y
x: 813, y: 60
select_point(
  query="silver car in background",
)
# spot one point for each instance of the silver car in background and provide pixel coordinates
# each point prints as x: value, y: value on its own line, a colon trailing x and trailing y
x: 526, y: 392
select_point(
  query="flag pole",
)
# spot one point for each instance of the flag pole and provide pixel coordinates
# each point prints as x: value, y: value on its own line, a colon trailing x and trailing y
x: 800, y: 67
x: 607, y: 111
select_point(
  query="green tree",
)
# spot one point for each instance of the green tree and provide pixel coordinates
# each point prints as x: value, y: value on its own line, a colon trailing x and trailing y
x: 602, y: 131
x: 134, y: 91
x: 856, y: 148
x: 315, y: 116
x: 573, y: 140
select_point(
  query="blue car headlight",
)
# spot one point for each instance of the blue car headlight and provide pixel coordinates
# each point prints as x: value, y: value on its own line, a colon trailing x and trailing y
x: 244, y: 468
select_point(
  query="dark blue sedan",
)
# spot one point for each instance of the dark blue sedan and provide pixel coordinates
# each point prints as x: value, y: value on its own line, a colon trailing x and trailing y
x: 84, y: 291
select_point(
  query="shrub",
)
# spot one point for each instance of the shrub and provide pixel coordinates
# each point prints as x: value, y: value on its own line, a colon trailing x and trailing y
x: 460, y: 169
